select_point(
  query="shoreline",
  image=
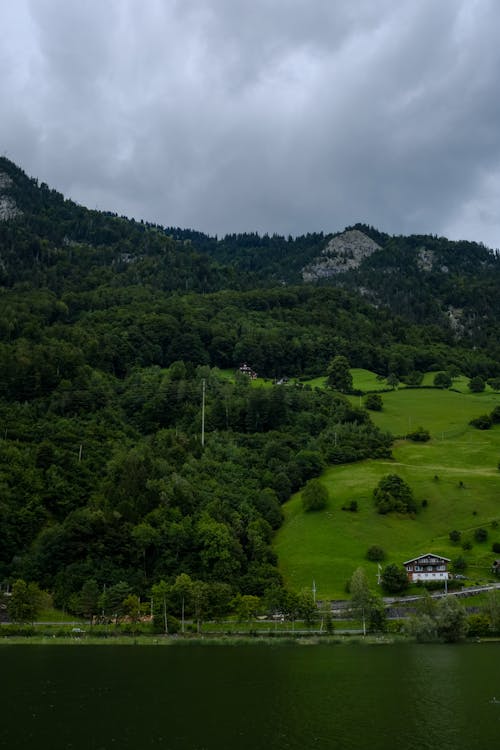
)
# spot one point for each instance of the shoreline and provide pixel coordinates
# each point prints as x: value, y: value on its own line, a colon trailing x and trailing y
x: 383, y: 639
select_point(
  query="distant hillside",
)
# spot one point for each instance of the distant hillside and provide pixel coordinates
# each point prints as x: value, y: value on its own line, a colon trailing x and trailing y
x: 426, y: 279
x: 112, y: 329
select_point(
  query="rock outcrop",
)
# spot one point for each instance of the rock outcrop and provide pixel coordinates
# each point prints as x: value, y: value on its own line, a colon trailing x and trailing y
x: 8, y: 208
x: 343, y: 253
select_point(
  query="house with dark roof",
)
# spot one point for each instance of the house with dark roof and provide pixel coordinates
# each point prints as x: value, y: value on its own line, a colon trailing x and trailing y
x: 428, y: 567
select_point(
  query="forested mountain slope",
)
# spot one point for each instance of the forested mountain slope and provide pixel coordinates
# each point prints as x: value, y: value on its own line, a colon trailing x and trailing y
x: 108, y: 328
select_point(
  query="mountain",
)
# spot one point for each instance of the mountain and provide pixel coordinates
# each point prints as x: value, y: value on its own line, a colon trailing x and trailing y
x: 113, y: 330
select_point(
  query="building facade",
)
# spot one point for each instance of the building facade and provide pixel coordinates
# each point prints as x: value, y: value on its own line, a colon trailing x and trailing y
x: 429, y: 567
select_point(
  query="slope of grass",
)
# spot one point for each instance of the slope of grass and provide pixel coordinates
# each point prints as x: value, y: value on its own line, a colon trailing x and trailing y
x: 456, y: 473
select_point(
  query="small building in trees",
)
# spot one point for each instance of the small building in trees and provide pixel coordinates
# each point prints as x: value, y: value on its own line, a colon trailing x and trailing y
x: 428, y: 567
x: 245, y: 369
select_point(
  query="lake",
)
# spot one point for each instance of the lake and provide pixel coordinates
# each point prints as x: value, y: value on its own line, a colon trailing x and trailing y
x: 343, y: 697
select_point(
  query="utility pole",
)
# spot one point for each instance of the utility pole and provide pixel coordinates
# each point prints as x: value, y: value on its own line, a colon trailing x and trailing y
x: 314, y: 591
x: 203, y: 413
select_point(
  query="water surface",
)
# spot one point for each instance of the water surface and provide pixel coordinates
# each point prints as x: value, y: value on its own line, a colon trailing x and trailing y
x: 354, y: 697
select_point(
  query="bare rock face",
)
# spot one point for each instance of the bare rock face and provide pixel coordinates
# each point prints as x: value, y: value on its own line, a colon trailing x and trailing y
x: 425, y: 259
x: 343, y: 253
x: 8, y: 208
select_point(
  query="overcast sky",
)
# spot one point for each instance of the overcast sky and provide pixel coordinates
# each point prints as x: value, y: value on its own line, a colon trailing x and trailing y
x: 283, y: 116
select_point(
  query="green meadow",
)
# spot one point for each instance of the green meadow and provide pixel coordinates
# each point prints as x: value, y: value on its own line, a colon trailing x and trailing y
x: 455, y: 480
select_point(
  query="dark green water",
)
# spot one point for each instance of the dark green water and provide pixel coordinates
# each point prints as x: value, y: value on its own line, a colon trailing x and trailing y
x: 401, y: 697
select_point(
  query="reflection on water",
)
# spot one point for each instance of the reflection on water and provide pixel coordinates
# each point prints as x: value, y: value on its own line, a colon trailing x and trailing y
x: 404, y: 697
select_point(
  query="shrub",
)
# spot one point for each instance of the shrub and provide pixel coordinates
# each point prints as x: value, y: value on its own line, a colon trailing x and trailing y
x: 480, y: 535
x: 373, y: 401
x: 477, y: 384
x: 495, y: 415
x: 467, y: 545
x: 375, y: 553
x: 494, y: 383
x: 459, y: 564
x: 455, y: 536
x: 482, y: 422
x: 442, y: 380
x: 352, y: 507
x: 479, y: 625
x: 419, y: 435
x: 496, y: 547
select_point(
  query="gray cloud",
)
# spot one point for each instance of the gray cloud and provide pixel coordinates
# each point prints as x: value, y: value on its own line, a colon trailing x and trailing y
x: 290, y: 116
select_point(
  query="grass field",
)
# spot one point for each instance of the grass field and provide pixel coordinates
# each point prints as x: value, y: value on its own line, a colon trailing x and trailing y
x: 455, y: 472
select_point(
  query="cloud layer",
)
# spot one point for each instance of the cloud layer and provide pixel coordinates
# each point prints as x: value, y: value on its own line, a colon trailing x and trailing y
x: 287, y: 116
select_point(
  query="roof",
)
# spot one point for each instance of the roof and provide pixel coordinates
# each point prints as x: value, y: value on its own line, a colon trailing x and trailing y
x: 427, y: 554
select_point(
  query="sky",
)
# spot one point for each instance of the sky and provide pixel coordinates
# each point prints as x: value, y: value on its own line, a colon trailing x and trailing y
x: 287, y: 116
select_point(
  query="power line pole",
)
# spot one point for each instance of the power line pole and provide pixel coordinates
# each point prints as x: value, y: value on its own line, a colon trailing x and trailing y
x: 203, y: 413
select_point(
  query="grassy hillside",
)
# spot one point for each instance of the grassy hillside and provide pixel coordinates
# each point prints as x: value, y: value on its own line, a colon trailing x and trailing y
x: 456, y: 473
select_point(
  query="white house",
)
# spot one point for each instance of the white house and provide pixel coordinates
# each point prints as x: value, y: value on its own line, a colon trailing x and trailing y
x: 429, y: 567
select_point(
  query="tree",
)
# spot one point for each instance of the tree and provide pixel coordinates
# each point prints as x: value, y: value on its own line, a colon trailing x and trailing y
x: 451, y: 620
x: 394, y: 579
x: 392, y: 380
x: 442, y: 380
x: 88, y: 599
x: 339, y: 375
x: 314, y: 495
x: 373, y: 401
x: 246, y: 607
x: 25, y: 602
x: 393, y: 494
x: 477, y: 384
x: 112, y: 599
x: 360, y: 595
x: 160, y: 593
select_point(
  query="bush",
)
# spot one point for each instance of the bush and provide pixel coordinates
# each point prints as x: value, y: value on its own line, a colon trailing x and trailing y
x: 459, y: 564
x: 477, y: 384
x: 480, y: 535
x: 419, y: 435
x: 479, y: 625
x: 496, y: 547
x: 373, y: 401
x: 352, y: 507
x: 442, y: 380
x: 375, y: 553
x: 455, y: 536
x: 495, y: 415
x: 482, y: 422
x: 494, y: 383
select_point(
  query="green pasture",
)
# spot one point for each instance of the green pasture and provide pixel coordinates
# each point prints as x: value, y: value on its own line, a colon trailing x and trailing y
x: 456, y: 472
x: 444, y: 413
x: 365, y: 380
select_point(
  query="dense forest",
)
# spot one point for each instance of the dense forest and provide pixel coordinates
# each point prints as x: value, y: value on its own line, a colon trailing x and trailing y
x: 114, y: 334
